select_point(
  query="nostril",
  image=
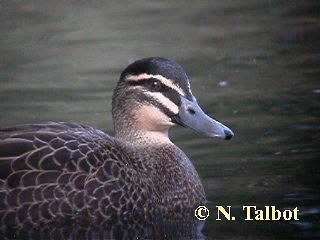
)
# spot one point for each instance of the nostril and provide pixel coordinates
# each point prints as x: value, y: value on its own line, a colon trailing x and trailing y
x: 190, y: 110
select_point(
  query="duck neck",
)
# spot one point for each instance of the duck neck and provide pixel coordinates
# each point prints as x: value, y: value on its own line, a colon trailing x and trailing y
x: 142, y: 137
x: 129, y: 130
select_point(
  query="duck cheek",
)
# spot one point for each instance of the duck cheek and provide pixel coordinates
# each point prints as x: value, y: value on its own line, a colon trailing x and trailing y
x: 151, y: 118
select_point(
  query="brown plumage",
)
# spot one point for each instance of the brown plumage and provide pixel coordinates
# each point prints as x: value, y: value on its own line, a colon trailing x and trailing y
x: 61, y: 173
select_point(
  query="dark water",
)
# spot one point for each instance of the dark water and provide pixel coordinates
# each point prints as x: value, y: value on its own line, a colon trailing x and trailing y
x: 254, y: 65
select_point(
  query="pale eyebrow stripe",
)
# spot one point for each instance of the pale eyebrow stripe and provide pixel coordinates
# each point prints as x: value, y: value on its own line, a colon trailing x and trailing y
x: 161, y: 78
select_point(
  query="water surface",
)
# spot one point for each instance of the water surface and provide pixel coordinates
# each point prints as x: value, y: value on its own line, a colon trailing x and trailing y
x: 254, y: 65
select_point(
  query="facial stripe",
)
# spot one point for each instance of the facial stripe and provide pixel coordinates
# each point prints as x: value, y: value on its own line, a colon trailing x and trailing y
x: 161, y: 78
x: 164, y: 102
x: 157, y: 99
x: 173, y: 96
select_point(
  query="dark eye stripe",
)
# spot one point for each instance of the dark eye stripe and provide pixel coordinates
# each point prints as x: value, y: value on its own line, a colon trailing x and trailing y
x: 165, y: 81
x: 146, y: 98
x: 168, y: 92
x: 173, y: 96
x: 148, y: 82
x: 163, y: 108
x: 165, y: 90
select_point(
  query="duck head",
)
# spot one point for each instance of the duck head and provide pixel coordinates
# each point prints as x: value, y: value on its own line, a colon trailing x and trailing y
x: 153, y: 94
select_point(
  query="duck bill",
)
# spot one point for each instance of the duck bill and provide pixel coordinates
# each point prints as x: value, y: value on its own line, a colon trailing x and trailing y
x: 192, y: 116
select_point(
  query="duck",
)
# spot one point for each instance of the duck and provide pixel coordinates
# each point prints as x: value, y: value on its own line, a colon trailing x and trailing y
x: 57, y: 172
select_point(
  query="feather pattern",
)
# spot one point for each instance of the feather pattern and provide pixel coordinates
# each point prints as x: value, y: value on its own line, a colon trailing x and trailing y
x: 56, y: 172
x: 60, y: 179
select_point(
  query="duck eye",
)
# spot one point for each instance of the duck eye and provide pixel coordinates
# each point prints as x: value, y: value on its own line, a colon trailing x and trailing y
x: 155, y: 85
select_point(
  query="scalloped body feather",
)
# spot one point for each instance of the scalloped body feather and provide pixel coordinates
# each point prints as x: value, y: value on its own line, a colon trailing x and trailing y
x: 64, y: 171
